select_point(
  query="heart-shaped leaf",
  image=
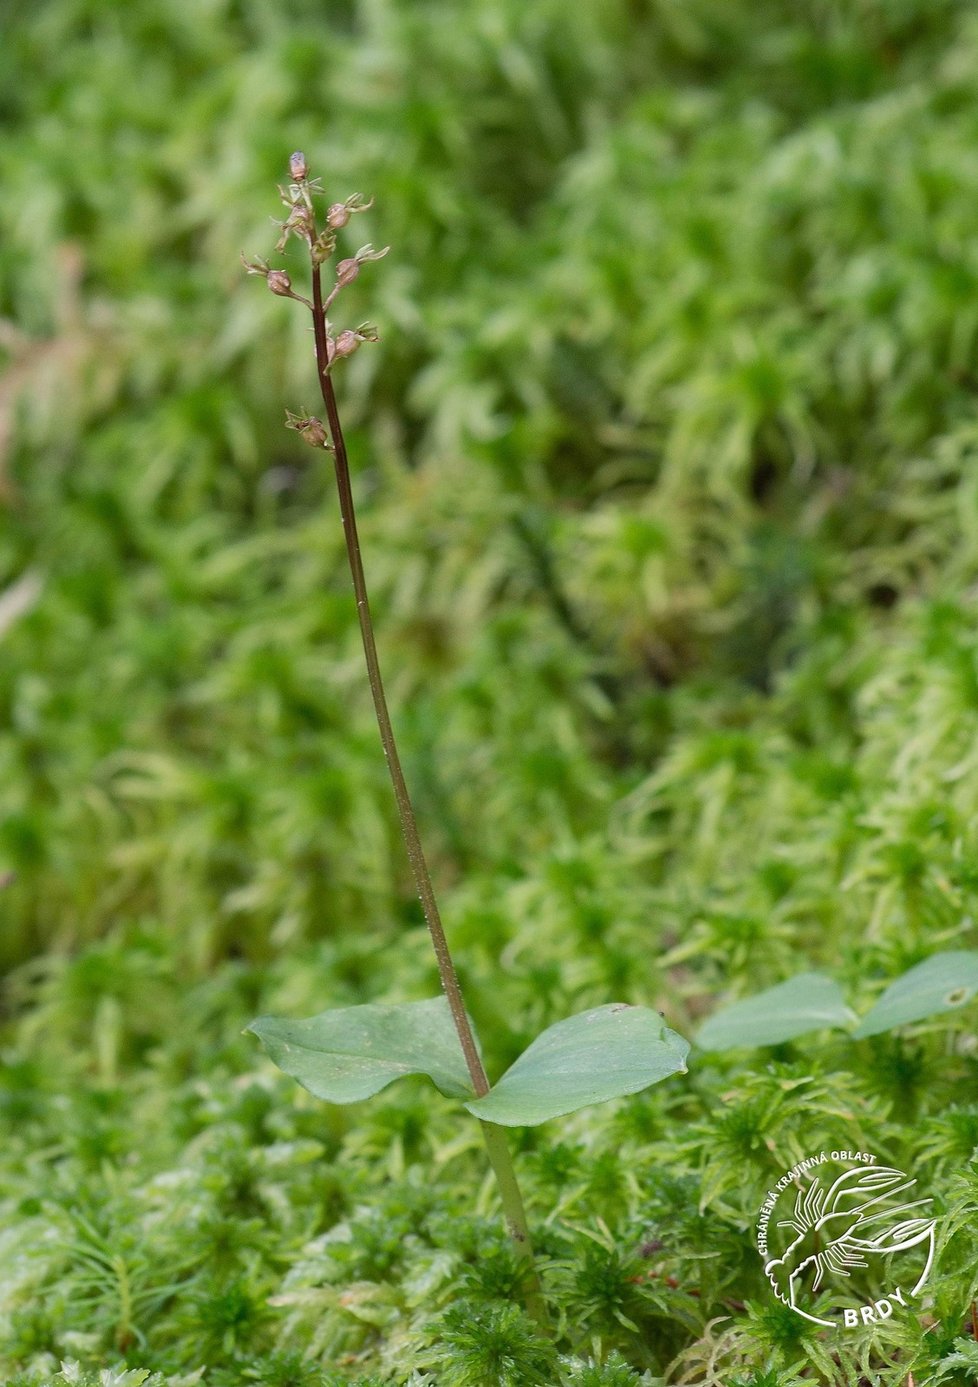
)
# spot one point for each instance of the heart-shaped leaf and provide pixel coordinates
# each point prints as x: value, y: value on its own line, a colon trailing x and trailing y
x: 599, y: 1054
x: 941, y: 983
x: 808, y: 1002
x: 354, y: 1052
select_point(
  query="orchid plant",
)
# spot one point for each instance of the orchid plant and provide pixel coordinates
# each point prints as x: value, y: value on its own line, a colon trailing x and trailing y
x: 348, y: 1054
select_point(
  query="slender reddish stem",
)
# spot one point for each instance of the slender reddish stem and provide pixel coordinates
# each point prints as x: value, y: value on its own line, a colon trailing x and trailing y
x: 412, y: 838
x: 495, y: 1140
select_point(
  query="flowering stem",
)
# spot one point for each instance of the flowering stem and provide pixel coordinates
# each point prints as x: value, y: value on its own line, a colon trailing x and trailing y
x: 409, y: 827
x: 496, y: 1144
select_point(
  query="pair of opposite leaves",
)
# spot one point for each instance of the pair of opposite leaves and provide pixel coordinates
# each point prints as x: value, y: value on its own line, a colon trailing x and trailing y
x: 347, y: 1055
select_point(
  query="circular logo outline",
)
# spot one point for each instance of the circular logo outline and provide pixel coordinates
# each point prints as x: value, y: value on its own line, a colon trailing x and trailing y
x: 836, y: 1227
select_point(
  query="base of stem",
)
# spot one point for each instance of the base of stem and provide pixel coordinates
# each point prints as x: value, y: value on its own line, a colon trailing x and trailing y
x: 514, y: 1213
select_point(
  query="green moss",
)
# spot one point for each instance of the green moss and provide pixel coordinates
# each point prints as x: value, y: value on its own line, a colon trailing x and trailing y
x: 666, y: 468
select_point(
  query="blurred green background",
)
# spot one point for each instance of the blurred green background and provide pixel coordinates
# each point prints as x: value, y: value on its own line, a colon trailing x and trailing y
x: 666, y: 466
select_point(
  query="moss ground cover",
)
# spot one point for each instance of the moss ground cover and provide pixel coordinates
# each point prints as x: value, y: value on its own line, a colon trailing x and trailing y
x: 666, y: 476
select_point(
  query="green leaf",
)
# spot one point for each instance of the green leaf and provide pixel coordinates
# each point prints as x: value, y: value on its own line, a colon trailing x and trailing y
x: 941, y: 983
x: 350, y: 1054
x: 600, y: 1054
x: 808, y: 1002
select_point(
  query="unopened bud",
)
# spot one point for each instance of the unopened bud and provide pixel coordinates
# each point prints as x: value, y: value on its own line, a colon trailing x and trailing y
x: 279, y: 283
x: 298, y: 168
